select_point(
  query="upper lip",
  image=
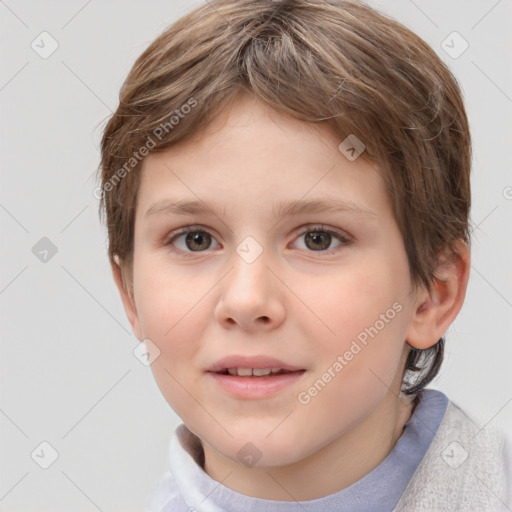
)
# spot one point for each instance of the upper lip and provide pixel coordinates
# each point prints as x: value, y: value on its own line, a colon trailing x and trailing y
x: 259, y: 362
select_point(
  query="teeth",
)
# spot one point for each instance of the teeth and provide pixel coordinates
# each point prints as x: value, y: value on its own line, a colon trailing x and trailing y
x: 262, y: 371
x: 258, y: 372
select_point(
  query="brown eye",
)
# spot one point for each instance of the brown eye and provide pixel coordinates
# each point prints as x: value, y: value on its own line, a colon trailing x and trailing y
x: 198, y: 240
x: 190, y: 240
x: 318, y: 240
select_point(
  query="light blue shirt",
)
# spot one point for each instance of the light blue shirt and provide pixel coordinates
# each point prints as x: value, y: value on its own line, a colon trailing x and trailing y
x: 186, y: 487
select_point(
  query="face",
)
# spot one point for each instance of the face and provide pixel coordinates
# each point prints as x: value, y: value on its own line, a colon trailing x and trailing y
x: 249, y: 283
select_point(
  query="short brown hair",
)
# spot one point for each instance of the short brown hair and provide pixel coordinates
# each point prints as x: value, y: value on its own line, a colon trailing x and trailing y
x: 336, y: 62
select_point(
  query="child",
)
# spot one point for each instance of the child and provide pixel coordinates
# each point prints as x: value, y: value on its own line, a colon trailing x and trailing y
x: 260, y: 129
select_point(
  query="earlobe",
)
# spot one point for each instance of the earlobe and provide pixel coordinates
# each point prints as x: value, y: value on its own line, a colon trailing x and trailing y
x: 437, y: 307
x: 126, y: 298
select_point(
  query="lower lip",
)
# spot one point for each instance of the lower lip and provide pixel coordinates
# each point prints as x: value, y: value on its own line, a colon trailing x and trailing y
x: 255, y: 387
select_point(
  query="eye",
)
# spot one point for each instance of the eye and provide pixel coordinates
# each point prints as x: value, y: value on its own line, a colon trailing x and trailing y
x: 196, y: 239
x: 318, y: 238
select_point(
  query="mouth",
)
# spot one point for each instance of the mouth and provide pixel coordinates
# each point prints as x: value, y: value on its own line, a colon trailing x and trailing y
x: 254, y: 377
x: 255, y: 372
x: 247, y: 366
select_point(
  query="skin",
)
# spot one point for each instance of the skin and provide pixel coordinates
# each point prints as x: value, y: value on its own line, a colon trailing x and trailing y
x: 295, y: 302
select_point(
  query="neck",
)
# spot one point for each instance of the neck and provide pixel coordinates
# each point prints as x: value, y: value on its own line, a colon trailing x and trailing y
x: 336, y: 466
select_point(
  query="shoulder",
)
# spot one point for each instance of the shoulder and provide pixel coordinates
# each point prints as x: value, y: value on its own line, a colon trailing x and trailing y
x: 467, y: 467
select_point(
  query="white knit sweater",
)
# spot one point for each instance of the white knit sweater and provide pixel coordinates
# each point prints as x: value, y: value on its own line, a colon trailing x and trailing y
x: 465, y: 469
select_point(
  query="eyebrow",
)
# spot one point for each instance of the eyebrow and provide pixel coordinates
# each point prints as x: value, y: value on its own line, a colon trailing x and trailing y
x: 281, y: 209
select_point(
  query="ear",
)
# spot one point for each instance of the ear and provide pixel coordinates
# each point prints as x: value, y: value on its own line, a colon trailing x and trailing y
x: 437, y: 307
x: 124, y: 285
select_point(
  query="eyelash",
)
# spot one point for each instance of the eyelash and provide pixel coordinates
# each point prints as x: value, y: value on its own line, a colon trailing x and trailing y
x: 308, y: 229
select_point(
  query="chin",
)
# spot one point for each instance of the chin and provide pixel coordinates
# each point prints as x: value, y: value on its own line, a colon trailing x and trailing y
x: 259, y: 448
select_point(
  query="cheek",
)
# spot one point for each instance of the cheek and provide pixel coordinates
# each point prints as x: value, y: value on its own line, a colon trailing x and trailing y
x: 363, y: 316
x: 355, y: 368
x: 352, y: 301
x: 166, y: 301
x: 169, y: 309
x: 170, y: 315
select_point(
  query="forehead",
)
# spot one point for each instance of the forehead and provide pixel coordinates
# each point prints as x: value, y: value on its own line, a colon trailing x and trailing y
x: 254, y: 156
x: 242, y: 110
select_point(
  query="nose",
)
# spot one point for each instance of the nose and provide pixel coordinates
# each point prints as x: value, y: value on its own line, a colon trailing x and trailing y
x: 251, y: 296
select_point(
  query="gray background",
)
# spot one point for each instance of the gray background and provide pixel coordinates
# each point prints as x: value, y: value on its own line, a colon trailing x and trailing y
x: 68, y: 374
